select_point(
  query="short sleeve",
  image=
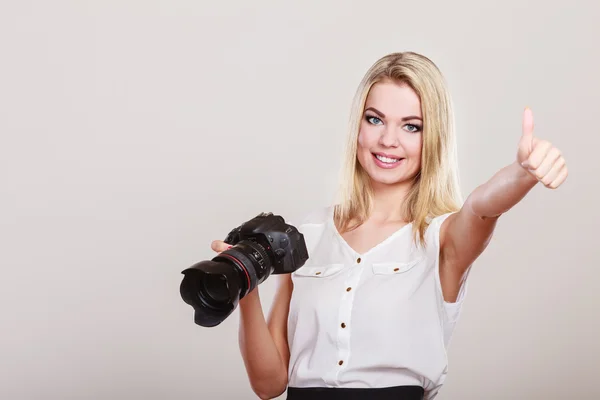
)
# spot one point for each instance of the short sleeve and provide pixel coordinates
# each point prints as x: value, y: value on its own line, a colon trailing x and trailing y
x: 311, y: 224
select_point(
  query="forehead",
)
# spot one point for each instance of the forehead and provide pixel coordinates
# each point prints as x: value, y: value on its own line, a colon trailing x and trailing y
x: 394, y: 99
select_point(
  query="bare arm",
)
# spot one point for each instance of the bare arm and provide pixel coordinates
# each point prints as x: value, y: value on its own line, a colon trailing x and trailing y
x: 263, y: 342
x: 466, y: 234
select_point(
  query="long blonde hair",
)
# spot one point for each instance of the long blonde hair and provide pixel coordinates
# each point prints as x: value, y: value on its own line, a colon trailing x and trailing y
x: 435, y: 189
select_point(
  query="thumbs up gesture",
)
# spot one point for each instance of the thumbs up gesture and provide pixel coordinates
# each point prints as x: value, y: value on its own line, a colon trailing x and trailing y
x: 539, y: 157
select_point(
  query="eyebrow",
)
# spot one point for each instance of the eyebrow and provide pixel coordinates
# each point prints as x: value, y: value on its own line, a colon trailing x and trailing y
x: 382, y: 115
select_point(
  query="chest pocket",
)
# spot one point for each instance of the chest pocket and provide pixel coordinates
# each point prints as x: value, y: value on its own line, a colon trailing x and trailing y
x: 393, y: 267
x: 318, y: 272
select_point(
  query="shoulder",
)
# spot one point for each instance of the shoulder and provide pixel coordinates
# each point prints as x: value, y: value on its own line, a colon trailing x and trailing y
x: 435, y: 229
x: 312, y: 224
x: 317, y: 216
x: 436, y: 222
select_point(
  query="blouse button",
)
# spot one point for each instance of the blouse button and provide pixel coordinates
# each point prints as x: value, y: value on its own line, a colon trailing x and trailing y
x: 343, y: 325
x: 318, y: 273
x: 340, y: 362
x: 348, y: 289
x: 396, y: 269
x: 358, y: 260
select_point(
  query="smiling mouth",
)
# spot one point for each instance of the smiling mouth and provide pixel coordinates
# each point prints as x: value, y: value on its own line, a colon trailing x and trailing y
x: 387, y: 160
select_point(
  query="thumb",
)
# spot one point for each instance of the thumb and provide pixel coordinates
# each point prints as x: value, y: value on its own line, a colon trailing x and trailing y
x: 528, y: 122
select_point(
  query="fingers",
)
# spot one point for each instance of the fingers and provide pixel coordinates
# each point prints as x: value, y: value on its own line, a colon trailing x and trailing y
x: 547, y: 164
x: 539, y: 153
x: 219, y: 246
x: 562, y: 175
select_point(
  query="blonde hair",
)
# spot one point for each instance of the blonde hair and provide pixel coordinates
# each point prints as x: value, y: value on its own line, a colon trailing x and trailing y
x: 435, y: 189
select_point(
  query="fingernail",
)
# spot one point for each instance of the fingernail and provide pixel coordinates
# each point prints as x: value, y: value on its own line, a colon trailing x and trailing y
x: 229, y: 247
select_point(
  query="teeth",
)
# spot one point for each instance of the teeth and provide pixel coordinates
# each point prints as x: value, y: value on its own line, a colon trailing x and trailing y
x: 386, y: 159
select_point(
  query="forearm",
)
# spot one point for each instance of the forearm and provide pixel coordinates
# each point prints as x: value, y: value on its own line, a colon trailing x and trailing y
x: 503, y: 191
x: 264, y: 364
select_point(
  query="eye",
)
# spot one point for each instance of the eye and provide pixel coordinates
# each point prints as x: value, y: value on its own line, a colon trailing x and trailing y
x: 412, y: 128
x: 373, y: 120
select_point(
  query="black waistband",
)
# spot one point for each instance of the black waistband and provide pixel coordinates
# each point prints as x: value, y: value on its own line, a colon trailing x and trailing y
x: 327, y: 393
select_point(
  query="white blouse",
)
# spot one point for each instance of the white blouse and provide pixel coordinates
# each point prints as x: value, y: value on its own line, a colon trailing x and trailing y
x: 369, y: 320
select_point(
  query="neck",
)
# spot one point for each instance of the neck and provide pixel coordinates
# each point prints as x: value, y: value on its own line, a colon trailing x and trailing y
x: 388, y: 201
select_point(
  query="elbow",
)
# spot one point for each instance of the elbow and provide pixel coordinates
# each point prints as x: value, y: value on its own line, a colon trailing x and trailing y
x: 473, y: 205
x: 270, y: 394
x: 479, y: 205
x: 270, y: 389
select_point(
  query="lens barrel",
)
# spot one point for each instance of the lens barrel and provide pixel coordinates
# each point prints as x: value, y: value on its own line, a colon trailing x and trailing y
x: 214, y: 287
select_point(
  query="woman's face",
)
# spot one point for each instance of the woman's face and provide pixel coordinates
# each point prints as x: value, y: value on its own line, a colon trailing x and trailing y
x: 390, y: 139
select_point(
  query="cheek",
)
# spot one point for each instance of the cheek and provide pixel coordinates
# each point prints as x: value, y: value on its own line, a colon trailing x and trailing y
x: 361, y: 139
x: 363, y: 142
x: 414, y: 146
x: 367, y: 136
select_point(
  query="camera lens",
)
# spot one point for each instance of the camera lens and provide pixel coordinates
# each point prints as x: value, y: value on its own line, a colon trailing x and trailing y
x: 215, y: 288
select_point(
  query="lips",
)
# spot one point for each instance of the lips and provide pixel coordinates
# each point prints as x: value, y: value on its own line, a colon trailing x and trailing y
x: 386, y: 155
x: 387, y: 161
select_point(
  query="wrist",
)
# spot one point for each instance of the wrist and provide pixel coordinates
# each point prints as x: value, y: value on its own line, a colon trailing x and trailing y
x: 251, y: 297
x: 523, y: 173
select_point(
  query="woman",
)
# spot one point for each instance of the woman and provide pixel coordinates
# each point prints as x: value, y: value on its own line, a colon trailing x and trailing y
x: 370, y: 315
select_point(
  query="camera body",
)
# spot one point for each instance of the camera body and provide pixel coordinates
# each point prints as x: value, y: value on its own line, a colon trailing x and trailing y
x: 262, y: 246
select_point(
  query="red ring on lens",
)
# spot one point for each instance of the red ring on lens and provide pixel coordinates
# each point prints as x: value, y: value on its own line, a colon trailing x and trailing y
x: 238, y: 262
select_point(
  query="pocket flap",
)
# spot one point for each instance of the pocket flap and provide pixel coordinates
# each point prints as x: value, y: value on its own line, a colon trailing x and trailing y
x: 320, y: 271
x: 389, y: 268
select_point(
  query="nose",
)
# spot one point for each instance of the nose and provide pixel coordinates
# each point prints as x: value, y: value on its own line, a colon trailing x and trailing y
x: 389, y: 138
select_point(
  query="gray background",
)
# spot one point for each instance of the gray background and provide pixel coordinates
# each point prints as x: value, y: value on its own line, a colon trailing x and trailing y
x: 135, y: 132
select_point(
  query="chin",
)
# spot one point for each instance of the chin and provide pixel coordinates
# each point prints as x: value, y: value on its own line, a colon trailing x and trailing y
x: 389, y: 181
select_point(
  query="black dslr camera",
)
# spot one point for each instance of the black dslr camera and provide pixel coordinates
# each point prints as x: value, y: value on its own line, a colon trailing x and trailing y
x: 262, y: 246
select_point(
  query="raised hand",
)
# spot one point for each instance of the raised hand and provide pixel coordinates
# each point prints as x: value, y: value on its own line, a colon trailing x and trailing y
x: 539, y: 157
